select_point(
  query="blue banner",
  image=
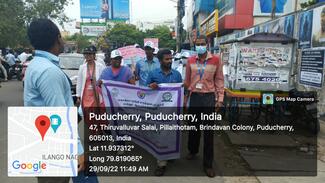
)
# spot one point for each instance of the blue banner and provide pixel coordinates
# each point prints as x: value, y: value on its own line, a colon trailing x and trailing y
x: 121, y: 9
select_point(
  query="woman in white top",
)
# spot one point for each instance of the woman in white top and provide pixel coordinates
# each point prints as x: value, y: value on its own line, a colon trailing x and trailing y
x: 87, y: 95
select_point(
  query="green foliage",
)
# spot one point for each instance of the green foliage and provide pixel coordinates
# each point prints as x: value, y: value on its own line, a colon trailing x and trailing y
x: 17, y: 14
x: 81, y: 41
x: 164, y: 35
x: 308, y: 3
x: 122, y: 34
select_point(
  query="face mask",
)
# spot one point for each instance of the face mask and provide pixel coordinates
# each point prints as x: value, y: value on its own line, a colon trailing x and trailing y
x: 201, y: 49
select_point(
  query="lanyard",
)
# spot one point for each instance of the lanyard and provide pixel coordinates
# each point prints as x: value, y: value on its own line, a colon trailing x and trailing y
x: 200, y: 68
x: 91, y: 76
x: 44, y: 56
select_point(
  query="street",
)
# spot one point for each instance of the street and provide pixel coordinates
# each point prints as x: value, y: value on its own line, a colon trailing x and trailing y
x: 11, y: 95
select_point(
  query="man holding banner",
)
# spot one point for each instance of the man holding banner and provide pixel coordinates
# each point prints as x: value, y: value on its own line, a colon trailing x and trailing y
x: 164, y: 74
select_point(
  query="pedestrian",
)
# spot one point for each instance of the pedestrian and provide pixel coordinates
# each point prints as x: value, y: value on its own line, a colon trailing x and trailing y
x: 107, y: 59
x: 24, y: 55
x: 117, y: 72
x: 146, y: 65
x: 164, y: 74
x: 10, y: 58
x: 3, y: 69
x: 45, y: 83
x: 205, y: 82
x: 89, y: 72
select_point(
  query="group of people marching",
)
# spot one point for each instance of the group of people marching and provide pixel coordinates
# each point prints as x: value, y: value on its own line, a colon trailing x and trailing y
x: 204, y: 83
x: 47, y: 85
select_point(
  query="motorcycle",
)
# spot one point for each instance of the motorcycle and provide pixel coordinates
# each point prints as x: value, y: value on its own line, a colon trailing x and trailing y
x: 15, y: 71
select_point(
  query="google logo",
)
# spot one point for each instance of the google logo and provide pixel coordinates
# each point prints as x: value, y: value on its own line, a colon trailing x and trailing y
x: 29, y: 166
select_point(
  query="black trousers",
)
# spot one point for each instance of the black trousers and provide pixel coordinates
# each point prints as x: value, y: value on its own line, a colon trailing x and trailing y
x: 202, y: 103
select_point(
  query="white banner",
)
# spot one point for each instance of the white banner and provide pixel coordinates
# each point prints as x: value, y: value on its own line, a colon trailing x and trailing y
x: 129, y: 99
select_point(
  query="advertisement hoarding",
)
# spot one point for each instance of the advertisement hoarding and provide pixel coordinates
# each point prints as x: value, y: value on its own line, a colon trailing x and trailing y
x: 264, y: 7
x: 105, y: 9
x: 90, y: 9
x: 120, y: 10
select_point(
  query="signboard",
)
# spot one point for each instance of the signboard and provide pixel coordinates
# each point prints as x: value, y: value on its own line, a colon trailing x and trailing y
x: 93, y: 29
x: 305, y: 29
x: 264, y: 7
x: 91, y: 9
x: 210, y: 24
x: 129, y: 99
x: 154, y: 40
x: 311, y: 70
x: 257, y: 64
x: 120, y: 10
x: 318, y: 38
x: 226, y: 7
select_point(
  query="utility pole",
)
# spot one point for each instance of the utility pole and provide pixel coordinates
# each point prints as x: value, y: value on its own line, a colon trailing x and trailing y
x: 273, y: 9
x: 179, y: 30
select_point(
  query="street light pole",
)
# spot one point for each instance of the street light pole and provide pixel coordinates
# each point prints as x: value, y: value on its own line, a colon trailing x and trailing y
x: 179, y: 30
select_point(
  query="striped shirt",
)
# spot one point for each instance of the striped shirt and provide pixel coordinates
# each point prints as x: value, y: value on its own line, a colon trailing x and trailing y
x: 212, y: 80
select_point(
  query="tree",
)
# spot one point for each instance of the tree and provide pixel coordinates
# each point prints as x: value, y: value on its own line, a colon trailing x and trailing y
x: 80, y: 40
x: 163, y: 33
x: 122, y: 35
x: 12, y: 29
x: 17, y: 14
x: 308, y: 3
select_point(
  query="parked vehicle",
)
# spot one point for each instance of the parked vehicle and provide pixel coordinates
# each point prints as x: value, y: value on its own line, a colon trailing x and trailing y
x: 70, y: 64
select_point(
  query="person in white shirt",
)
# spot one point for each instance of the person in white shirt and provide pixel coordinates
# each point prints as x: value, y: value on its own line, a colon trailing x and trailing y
x: 24, y: 55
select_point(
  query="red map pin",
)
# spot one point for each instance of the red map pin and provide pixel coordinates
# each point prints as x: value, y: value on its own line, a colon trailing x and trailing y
x: 42, y: 124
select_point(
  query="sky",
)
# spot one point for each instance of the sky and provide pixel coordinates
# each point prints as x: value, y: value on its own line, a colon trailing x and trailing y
x: 140, y: 10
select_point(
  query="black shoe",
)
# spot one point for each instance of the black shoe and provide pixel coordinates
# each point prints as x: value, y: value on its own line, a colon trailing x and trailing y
x: 210, y: 172
x: 190, y: 156
x: 160, y: 170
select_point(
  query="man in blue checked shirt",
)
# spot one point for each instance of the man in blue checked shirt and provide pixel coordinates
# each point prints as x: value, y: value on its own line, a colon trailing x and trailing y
x: 45, y: 83
x: 148, y: 64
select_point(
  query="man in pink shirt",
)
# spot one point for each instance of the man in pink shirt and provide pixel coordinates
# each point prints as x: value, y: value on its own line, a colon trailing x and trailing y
x: 205, y: 82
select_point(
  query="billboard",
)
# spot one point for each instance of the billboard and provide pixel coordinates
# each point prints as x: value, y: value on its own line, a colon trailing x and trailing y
x: 318, y: 39
x: 120, y: 10
x: 225, y: 7
x: 305, y: 29
x: 93, y: 29
x: 90, y: 9
x: 105, y: 9
x: 264, y: 7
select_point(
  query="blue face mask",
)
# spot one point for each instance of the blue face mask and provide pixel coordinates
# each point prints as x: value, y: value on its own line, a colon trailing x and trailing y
x: 201, y: 49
